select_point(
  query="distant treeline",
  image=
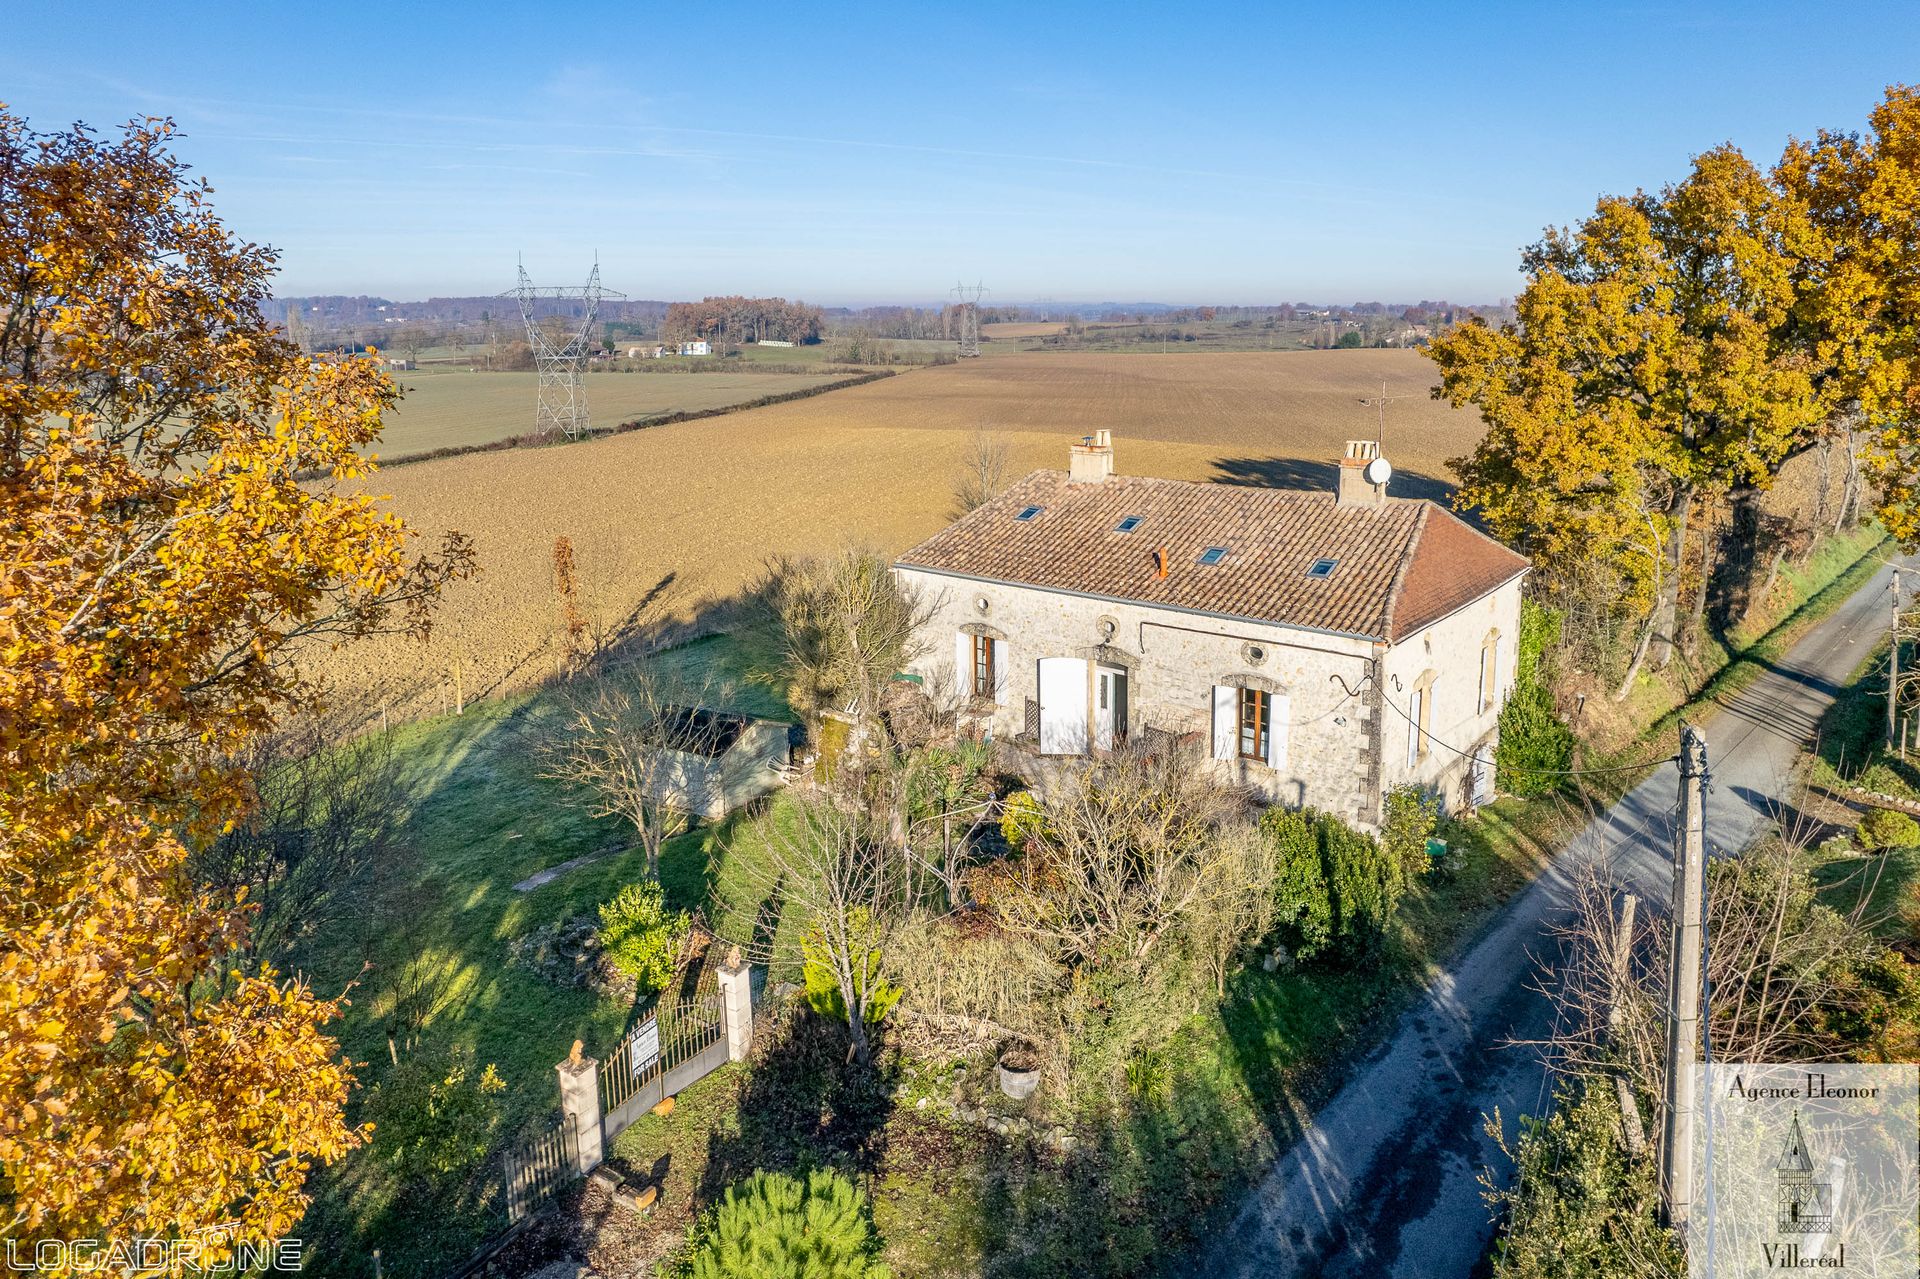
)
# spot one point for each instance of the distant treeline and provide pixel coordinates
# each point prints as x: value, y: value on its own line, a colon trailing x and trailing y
x: 336, y: 311
x: 740, y: 319
x: 920, y: 322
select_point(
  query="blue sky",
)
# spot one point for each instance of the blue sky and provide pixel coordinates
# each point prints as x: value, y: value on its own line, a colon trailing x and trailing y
x: 874, y: 153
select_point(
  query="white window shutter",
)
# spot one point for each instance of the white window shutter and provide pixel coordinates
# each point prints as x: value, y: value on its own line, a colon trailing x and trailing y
x: 1413, y: 728
x: 963, y: 666
x: 1000, y: 665
x: 1499, y: 691
x: 1279, y: 717
x: 1226, y: 720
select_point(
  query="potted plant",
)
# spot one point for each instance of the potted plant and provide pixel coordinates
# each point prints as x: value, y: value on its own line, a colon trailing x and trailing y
x: 1019, y: 1070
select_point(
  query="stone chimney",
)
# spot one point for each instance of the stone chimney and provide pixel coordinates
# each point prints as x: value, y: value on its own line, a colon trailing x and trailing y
x: 1362, y: 482
x: 1091, y: 460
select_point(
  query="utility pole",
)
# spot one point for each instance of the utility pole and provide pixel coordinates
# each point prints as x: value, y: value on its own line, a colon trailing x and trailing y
x: 1893, y: 668
x: 1683, y: 986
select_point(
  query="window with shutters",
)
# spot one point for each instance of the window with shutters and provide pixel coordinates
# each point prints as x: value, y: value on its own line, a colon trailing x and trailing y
x: 1489, y: 671
x: 1256, y: 722
x: 1419, y: 714
x: 983, y: 666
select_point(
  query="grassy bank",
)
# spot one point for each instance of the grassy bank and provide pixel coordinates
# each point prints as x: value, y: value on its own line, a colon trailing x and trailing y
x: 433, y: 928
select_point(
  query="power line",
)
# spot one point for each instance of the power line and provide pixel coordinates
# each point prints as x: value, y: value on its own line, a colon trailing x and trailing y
x: 561, y: 357
x: 968, y: 314
x: 1537, y: 772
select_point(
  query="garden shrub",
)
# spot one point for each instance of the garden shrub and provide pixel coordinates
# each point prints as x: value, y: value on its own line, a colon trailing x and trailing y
x: 1021, y: 819
x: 1412, y: 815
x: 1578, y: 1203
x: 1535, y: 744
x: 1302, y: 907
x: 1363, y: 885
x: 641, y: 936
x: 824, y: 995
x: 773, y: 1226
x: 1337, y: 887
x: 1885, y: 828
x: 434, y: 1118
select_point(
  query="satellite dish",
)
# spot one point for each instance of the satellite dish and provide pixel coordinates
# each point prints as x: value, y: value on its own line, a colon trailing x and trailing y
x: 1379, y: 471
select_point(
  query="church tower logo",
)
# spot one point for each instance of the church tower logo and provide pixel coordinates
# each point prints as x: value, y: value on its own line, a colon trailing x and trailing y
x: 1805, y: 1206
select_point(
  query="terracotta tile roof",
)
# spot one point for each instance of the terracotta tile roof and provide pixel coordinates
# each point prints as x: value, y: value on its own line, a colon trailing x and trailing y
x: 1398, y: 567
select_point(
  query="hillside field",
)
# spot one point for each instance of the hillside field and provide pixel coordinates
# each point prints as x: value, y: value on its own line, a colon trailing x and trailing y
x: 446, y: 409
x: 673, y: 519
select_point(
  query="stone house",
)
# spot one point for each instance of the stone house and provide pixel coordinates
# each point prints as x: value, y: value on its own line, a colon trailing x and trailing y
x: 1321, y: 648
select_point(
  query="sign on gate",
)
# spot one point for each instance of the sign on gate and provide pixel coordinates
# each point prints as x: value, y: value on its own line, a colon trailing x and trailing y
x: 645, y: 1049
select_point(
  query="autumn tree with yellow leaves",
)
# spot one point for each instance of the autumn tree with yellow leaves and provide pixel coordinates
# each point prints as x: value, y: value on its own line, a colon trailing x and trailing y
x: 1677, y: 347
x: 179, y: 515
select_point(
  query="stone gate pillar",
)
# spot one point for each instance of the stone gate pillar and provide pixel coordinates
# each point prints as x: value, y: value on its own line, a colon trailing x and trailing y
x: 736, y: 1004
x: 580, y: 1102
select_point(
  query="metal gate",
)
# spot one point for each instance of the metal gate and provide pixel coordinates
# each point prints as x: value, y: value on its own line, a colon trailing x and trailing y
x: 662, y: 1055
x: 539, y: 1166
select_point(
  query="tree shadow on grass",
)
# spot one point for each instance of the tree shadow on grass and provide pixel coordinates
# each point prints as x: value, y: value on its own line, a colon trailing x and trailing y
x: 1146, y: 1183
x: 803, y: 1105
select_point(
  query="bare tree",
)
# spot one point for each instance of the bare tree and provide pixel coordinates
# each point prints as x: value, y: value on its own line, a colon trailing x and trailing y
x: 1786, y: 971
x: 829, y: 866
x: 1130, y: 848
x: 983, y: 474
x: 628, y: 741
x: 331, y: 806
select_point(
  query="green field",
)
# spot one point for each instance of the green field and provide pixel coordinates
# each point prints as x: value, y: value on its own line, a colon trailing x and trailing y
x: 445, y: 409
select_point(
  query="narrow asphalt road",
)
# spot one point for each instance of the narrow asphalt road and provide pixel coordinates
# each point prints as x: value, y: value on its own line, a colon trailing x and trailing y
x: 1385, y: 1181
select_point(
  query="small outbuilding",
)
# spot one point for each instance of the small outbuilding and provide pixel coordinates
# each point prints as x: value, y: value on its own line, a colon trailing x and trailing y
x: 711, y: 762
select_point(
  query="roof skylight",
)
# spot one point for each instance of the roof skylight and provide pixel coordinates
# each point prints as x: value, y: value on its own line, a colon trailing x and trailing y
x: 1127, y: 525
x: 1029, y: 512
x: 1213, y: 555
x: 1322, y: 569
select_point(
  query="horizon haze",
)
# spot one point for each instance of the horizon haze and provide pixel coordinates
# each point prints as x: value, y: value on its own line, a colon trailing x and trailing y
x: 1070, y: 155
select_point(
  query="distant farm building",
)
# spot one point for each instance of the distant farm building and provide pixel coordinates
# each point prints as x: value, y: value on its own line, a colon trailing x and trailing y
x: 775, y: 342
x: 700, y: 347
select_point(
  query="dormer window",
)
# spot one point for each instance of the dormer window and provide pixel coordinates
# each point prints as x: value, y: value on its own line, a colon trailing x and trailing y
x: 1028, y: 513
x: 1127, y: 525
x: 1213, y: 555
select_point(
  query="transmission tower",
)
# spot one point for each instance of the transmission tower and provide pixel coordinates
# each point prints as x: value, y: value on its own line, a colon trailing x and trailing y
x: 561, y: 356
x: 968, y: 307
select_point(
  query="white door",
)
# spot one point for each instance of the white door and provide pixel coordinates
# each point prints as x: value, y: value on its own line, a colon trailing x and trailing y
x: 1063, y: 706
x: 1483, y: 776
x: 1109, y: 706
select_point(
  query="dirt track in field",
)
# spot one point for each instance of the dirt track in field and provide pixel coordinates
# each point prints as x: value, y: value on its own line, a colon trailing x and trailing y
x: 682, y: 516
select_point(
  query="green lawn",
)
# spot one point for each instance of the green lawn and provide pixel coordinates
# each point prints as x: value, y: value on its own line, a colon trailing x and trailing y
x: 439, y: 920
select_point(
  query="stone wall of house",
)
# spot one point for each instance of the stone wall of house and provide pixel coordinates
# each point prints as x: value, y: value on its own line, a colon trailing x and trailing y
x: 1173, y: 661
x: 1445, y: 659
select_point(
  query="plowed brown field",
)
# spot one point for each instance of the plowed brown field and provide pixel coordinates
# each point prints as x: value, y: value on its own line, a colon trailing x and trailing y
x: 683, y: 516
